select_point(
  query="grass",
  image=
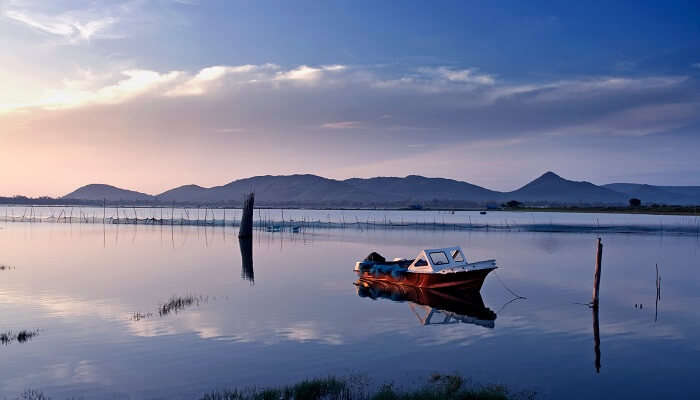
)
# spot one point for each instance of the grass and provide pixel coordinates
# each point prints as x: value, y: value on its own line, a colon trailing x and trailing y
x: 327, y: 388
x: 20, y: 337
x: 31, y: 394
x: 138, y: 316
x: 439, y: 387
x: 176, y: 304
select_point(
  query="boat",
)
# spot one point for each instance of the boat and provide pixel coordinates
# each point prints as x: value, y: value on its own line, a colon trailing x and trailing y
x: 432, y: 268
x: 439, y: 307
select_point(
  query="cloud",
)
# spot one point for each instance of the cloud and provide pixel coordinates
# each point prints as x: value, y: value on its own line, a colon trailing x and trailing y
x: 68, y: 26
x: 77, y: 93
x: 211, y: 77
x: 138, y: 82
x: 309, y: 331
x: 52, y: 27
x: 206, y: 78
x: 450, y: 104
x: 229, y: 130
x: 439, y: 80
x: 598, y: 86
x: 464, y: 75
x: 90, y: 28
x: 641, y: 121
x: 304, y: 73
x: 341, y: 125
x: 86, y: 89
x: 221, y: 113
x: 588, y: 87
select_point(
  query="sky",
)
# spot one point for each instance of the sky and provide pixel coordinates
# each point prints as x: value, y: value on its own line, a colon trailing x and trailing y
x: 153, y: 94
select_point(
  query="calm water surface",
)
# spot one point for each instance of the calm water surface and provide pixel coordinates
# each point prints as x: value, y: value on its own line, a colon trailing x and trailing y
x: 93, y: 294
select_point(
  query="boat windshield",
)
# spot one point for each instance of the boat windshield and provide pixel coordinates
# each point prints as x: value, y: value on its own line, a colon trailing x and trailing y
x: 439, y: 258
x: 421, y: 262
x: 457, y: 255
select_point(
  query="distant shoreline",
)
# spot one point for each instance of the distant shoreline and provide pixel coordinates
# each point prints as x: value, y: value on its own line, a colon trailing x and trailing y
x: 642, y: 210
x: 667, y: 210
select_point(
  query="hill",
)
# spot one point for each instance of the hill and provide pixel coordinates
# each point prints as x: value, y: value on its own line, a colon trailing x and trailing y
x: 306, y: 190
x: 97, y: 191
x: 280, y: 189
x: 418, y: 189
x: 188, y: 193
x: 551, y: 188
x: 649, y: 194
x: 316, y: 191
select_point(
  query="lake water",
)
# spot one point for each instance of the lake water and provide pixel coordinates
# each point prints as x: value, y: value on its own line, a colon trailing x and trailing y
x: 93, y: 294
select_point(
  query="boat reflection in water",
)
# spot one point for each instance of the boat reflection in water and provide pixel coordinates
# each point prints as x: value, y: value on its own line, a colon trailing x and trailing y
x: 439, y: 307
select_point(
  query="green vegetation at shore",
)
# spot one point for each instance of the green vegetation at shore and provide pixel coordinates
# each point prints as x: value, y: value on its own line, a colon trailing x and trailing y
x: 20, y: 337
x: 654, y: 209
x: 439, y: 387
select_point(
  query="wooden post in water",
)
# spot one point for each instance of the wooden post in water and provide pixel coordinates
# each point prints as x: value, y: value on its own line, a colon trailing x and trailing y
x: 658, y: 294
x: 246, y: 245
x: 596, y: 339
x: 246, y: 229
x: 596, y: 277
x: 658, y: 284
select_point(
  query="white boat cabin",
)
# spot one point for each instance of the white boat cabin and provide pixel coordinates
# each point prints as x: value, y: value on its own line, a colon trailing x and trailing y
x: 445, y: 260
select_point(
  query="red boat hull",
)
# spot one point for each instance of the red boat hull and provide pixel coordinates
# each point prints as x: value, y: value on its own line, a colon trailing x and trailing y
x: 466, y: 279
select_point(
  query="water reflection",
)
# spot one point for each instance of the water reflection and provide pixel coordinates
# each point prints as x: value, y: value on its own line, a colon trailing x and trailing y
x: 179, y: 303
x: 247, y: 272
x: 22, y: 336
x: 596, y: 338
x: 439, y: 307
x: 658, y: 294
x: 173, y: 306
x: 82, y: 285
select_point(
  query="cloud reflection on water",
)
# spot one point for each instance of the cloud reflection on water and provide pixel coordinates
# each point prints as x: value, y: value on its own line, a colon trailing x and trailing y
x: 299, y: 305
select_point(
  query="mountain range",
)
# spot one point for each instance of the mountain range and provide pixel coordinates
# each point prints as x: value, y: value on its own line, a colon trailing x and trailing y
x: 413, y: 190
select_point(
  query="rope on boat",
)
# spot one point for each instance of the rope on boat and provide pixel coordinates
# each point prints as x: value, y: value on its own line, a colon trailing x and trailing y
x: 514, y: 299
x: 507, y: 288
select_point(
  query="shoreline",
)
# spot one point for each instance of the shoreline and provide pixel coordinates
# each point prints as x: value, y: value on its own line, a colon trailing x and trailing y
x: 306, y: 226
x: 692, y: 211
